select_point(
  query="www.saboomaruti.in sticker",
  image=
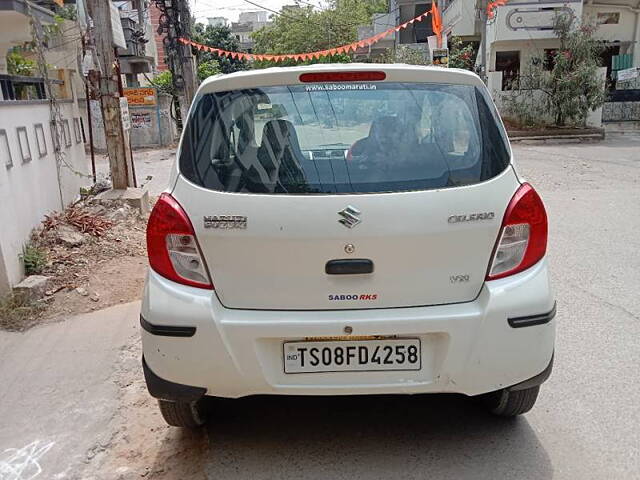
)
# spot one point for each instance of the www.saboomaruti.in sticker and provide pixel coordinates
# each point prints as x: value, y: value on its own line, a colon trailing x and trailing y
x: 328, y: 87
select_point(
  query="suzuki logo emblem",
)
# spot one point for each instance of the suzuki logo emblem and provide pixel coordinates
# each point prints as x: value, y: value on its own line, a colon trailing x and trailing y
x: 350, y: 217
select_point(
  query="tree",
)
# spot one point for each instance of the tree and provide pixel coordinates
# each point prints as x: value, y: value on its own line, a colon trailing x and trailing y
x: 462, y: 54
x: 208, y: 69
x: 572, y: 88
x: 217, y: 37
x: 404, y: 54
x: 308, y: 29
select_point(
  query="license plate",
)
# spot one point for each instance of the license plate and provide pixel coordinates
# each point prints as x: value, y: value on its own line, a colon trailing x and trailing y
x: 352, y: 356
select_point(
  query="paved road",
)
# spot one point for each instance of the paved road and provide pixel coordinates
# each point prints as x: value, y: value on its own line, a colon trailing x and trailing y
x: 585, y: 425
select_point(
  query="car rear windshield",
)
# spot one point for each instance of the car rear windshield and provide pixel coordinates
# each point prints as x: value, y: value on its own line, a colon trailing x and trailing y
x: 342, y: 138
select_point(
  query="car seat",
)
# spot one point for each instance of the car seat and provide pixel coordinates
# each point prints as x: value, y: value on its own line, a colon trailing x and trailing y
x: 280, y: 155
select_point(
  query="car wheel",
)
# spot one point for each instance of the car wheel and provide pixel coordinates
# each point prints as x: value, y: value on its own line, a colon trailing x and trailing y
x: 509, y: 403
x: 182, y: 414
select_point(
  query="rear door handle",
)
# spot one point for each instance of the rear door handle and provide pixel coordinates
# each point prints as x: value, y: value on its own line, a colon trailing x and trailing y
x: 349, y: 266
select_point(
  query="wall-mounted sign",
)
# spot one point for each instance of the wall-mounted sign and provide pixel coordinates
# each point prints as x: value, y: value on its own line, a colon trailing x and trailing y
x: 140, y: 96
x: 628, y: 74
x: 140, y: 120
x: 124, y: 111
x: 440, y: 57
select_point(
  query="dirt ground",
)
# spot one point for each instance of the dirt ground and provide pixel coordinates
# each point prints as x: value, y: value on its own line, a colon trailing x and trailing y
x: 140, y: 444
x: 93, y: 253
x: 104, y: 270
x: 112, y: 281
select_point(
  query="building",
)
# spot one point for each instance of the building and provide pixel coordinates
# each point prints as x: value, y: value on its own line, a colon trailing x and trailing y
x: 519, y: 32
x: 161, y: 56
x: 38, y: 174
x: 139, y: 59
x: 247, y: 23
x: 522, y: 30
x: 149, y: 111
x: 379, y: 23
x: 217, y: 21
x: 253, y: 17
x: 414, y: 36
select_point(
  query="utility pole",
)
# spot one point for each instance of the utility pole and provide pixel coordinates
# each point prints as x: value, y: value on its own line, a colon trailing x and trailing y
x: 186, y: 58
x: 483, y: 41
x: 117, y: 136
x: 175, y: 22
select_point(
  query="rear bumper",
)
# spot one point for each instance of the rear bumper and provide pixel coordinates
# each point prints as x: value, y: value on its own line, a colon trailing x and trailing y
x: 470, y: 348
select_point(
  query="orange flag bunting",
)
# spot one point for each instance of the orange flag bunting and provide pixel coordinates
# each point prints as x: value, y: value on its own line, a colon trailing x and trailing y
x: 491, y: 7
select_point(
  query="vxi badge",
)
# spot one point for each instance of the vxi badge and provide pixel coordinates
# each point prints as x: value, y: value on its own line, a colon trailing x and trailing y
x: 471, y: 217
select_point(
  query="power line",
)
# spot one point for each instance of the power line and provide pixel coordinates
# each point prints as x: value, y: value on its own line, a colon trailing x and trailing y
x: 270, y: 10
x: 330, y: 22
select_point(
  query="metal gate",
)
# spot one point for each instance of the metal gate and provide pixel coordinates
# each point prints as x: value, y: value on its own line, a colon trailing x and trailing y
x: 623, y: 103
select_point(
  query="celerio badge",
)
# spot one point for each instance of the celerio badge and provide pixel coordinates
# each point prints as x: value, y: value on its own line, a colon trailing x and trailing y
x: 226, y: 222
x: 350, y: 217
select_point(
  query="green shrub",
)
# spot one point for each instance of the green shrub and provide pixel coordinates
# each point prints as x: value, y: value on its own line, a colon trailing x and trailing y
x: 164, y: 83
x: 18, y: 64
x: 34, y: 260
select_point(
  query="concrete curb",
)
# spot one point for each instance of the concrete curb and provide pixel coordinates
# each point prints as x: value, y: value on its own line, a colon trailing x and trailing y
x: 554, y: 139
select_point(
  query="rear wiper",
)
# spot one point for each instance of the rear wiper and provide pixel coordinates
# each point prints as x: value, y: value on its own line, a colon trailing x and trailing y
x: 333, y: 145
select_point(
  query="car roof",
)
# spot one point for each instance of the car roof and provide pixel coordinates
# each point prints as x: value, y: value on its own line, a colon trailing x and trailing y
x: 396, y: 72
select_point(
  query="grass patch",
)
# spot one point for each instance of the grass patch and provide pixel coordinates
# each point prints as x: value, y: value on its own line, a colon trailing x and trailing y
x: 18, y: 314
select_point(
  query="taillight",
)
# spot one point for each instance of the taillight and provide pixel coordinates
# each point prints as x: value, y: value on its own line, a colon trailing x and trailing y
x: 323, y: 77
x: 523, y: 237
x: 172, y: 247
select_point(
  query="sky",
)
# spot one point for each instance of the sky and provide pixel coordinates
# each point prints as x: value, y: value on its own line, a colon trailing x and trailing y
x: 230, y: 9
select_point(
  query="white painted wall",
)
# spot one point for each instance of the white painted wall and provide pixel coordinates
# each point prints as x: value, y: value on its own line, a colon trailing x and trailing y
x: 515, y: 21
x: 29, y: 190
x: 460, y: 19
x: 528, y: 49
x: 494, y: 84
x: 502, y: 37
x: 594, y: 118
x: 626, y: 31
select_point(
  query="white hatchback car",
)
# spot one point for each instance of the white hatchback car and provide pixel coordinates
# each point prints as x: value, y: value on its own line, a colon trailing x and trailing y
x: 346, y: 229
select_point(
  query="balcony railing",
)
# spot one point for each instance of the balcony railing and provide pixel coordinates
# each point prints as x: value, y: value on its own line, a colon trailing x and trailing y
x: 17, y: 87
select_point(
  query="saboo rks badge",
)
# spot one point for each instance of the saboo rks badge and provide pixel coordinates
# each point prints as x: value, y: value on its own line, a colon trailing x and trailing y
x: 350, y: 216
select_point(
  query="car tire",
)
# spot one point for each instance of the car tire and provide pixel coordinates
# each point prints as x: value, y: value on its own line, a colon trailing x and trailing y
x: 509, y: 403
x: 182, y: 414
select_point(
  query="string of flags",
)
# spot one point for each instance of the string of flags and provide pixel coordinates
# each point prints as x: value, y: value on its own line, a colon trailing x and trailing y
x: 491, y: 7
x: 436, y: 25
